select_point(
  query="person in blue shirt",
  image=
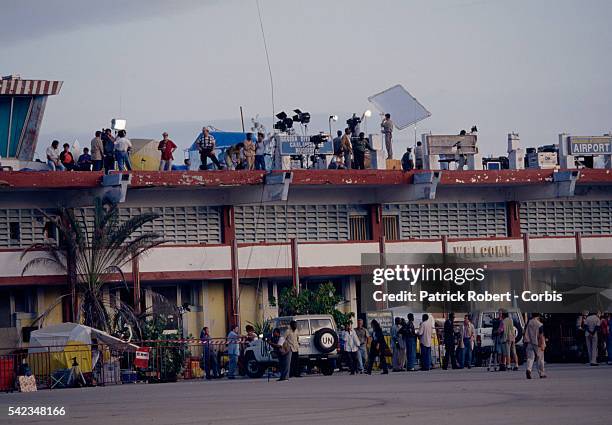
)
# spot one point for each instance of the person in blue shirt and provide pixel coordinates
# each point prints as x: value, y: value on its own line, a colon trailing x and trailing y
x: 84, y: 163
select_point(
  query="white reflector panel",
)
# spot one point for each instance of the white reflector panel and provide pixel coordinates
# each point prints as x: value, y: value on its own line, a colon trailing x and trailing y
x: 405, y: 110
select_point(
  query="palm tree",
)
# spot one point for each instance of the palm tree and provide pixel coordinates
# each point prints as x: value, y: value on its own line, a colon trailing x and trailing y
x: 92, y: 255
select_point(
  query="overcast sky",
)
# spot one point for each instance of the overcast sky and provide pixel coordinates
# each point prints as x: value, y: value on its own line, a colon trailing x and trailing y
x: 538, y: 67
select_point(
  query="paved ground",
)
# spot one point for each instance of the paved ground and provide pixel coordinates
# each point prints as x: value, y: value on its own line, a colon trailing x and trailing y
x: 573, y: 394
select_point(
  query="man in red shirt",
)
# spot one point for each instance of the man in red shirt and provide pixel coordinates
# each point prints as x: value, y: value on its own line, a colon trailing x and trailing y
x: 166, y: 147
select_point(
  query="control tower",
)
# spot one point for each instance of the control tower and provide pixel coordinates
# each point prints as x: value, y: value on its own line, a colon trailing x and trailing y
x: 22, y: 105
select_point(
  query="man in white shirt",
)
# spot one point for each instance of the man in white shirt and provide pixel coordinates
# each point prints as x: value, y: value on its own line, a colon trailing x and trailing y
x: 122, y: 148
x: 425, y: 333
x: 53, y: 157
x: 591, y: 328
x: 351, y: 347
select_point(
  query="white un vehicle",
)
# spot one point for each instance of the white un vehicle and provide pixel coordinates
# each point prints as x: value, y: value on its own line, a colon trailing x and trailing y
x: 317, y: 337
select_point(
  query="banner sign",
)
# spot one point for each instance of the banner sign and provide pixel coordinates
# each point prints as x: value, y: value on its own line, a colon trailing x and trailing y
x: 596, y: 145
x: 302, y: 145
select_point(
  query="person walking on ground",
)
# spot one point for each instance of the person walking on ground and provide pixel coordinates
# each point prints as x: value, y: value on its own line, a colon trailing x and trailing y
x: 378, y: 347
x: 449, y: 343
x: 281, y: 347
x: 362, y: 334
x: 425, y: 333
x: 108, y: 142
x: 351, y: 347
x: 233, y: 351
x: 509, y: 341
x: 123, y: 146
x: 167, y: 148
x: 535, y: 344
x: 591, y: 327
x: 411, y: 343
x: 260, y: 152
x: 97, y: 151
x: 398, y: 346
x: 205, y: 143
x: 497, y: 332
x: 387, y: 129
x: 467, y: 335
x: 346, y: 148
x: 292, y: 340
x: 359, y: 149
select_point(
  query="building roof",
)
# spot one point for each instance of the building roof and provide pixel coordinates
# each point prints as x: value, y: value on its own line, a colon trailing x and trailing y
x: 15, y: 86
x: 24, y: 180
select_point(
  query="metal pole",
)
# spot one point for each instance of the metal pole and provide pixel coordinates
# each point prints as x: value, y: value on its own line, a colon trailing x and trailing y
x: 242, y: 119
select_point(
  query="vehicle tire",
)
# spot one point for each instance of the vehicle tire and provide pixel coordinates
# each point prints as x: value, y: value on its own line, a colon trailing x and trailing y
x: 326, y: 368
x: 253, y: 368
x: 519, y: 334
x: 325, y: 340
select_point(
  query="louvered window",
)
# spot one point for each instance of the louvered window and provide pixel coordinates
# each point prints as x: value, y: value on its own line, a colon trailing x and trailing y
x: 456, y: 219
x: 390, y: 227
x: 21, y: 227
x: 279, y: 223
x: 565, y: 218
x: 359, y: 228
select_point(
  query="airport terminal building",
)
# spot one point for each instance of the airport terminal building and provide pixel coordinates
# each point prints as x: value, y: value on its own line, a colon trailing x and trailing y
x: 234, y: 239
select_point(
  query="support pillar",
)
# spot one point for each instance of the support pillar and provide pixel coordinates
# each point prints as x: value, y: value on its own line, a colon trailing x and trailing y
x: 295, y: 265
x: 514, y: 219
x: 526, y: 263
x: 376, y: 226
x: 235, y: 290
x: 136, y: 283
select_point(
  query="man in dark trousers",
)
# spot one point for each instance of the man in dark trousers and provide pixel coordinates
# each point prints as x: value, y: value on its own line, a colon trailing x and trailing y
x: 292, y: 339
x: 449, y: 343
x: 359, y: 148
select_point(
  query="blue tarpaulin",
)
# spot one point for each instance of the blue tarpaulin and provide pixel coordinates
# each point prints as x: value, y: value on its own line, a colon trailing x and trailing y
x: 224, y: 139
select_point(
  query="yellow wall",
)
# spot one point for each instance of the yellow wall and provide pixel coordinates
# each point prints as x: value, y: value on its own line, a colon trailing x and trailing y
x: 248, y: 306
x: 47, y: 296
x: 214, y: 309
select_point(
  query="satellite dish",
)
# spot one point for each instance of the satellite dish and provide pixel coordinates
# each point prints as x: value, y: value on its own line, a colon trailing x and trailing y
x: 405, y: 110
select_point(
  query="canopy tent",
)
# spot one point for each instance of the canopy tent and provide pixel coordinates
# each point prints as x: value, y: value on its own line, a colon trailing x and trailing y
x: 66, y: 341
x: 145, y: 155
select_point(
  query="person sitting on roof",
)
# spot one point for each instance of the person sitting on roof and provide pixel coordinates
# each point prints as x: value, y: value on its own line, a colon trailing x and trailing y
x: 185, y: 167
x: 84, y: 163
x: 66, y: 158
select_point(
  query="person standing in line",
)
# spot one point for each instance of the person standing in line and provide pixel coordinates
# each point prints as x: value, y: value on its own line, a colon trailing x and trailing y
x: 398, y: 346
x: 591, y: 327
x: 378, y: 347
x: 249, y: 152
x: 411, y: 343
x: 535, y: 344
x: 467, y: 334
x: 346, y: 148
x: 260, y: 152
x: 387, y: 129
x: 53, y: 157
x: 108, y: 141
x: 292, y: 340
x: 419, y: 156
x: 351, y: 347
x: 233, y: 351
x: 362, y: 334
x: 283, y: 352
x: 425, y: 333
x: 449, y: 343
x: 97, y: 151
x: 359, y: 149
x: 166, y: 148
x: 205, y: 143
x: 123, y: 146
